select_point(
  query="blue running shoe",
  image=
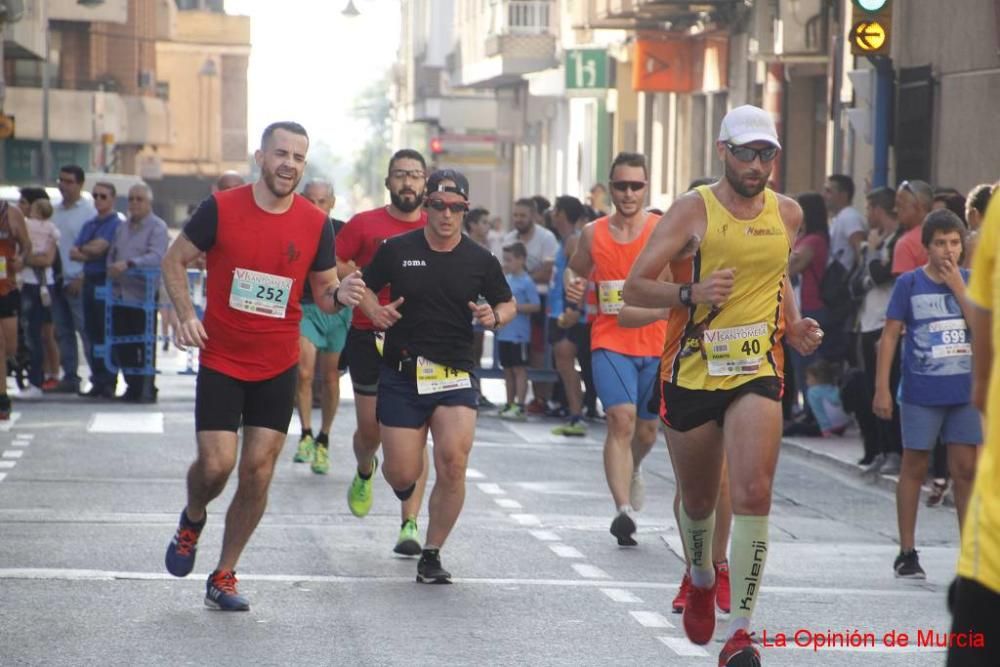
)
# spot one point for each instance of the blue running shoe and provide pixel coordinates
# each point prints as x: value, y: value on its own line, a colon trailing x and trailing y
x: 221, y: 594
x: 183, y: 548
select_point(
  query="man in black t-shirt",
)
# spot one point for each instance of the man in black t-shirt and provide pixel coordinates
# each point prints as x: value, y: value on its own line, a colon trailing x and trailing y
x: 426, y: 382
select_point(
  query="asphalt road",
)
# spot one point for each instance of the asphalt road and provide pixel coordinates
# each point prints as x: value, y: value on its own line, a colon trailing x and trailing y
x: 90, y: 493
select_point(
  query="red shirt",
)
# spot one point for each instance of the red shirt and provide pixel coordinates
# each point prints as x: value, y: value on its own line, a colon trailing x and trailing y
x: 361, y: 237
x: 909, y: 253
x: 812, y: 275
x: 239, y: 237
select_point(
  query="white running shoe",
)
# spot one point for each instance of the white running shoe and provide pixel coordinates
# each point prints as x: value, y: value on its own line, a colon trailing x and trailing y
x: 32, y: 393
x: 637, y: 490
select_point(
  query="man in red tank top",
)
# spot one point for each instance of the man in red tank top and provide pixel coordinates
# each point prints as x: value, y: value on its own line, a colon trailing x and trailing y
x: 15, y: 246
x: 357, y: 242
x: 261, y: 242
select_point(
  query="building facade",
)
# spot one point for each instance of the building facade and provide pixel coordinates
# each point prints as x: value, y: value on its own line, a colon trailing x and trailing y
x: 576, y: 81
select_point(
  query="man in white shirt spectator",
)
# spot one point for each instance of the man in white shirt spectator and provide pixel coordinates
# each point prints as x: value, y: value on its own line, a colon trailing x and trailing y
x: 67, y: 299
x: 847, y: 225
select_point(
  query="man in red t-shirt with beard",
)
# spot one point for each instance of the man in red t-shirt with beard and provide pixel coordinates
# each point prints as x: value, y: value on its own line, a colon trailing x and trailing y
x: 356, y: 245
x: 261, y: 242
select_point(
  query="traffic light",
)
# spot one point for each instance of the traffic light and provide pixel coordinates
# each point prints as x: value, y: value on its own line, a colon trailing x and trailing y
x: 437, y: 146
x: 871, y: 27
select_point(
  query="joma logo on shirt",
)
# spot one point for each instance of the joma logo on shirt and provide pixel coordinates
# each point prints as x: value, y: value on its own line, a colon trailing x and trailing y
x: 414, y: 262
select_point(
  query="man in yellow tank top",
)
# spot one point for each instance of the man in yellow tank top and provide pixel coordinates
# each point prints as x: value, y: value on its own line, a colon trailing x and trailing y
x: 977, y: 588
x: 722, y: 366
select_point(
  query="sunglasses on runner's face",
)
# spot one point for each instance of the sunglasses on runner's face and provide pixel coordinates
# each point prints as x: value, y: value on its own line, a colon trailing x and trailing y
x: 747, y: 154
x: 454, y: 207
x: 634, y: 186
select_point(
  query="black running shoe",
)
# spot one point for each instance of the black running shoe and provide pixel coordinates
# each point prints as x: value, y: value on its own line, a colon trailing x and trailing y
x: 623, y: 528
x: 907, y: 566
x: 429, y: 570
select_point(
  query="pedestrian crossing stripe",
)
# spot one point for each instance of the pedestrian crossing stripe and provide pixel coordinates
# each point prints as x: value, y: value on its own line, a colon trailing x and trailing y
x: 126, y: 422
x: 8, y: 424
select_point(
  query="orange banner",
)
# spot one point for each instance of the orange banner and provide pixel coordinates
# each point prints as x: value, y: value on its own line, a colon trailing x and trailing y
x: 663, y: 66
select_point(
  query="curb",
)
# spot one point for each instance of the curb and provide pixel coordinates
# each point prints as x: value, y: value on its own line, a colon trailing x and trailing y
x: 886, y: 482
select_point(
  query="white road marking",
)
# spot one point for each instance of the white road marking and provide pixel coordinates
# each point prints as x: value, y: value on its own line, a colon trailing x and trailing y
x: 508, y: 503
x: 24, y: 436
x: 3, y: 476
x: 526, y: 519
x: 545, y: 535
x: 621, y: 595
x: 590, y: 571
x: 490, y: 489
x: 682, y: 646
x: 21, y: 443
x: 651, y: 619
x: 13, y: 453
x: 7, y: 425
x: 472, y: 473
x: 58, y: 574
x: 7, y: 464
x: 565, y: 551
x: 126, y: 422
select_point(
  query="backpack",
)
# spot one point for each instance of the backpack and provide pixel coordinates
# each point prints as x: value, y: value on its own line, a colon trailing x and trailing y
x: 836, y: 293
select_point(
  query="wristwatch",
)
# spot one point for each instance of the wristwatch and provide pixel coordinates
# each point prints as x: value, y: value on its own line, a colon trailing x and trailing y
x: 334, y: 295
x: 684, y: 294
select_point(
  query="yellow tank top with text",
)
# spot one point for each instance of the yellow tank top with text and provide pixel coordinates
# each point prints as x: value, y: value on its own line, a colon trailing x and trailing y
x: 725, y: 347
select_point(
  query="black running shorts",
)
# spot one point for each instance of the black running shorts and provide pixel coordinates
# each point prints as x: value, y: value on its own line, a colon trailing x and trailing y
x: 685, y: 409
x: 223, y: 403
x: 365, y: 361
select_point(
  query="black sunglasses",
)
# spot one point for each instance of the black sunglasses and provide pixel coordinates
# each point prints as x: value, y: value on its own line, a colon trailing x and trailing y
x: 101, y: 195
x: 634, y: 186
x: 747, y: 154
x: 454, y: 207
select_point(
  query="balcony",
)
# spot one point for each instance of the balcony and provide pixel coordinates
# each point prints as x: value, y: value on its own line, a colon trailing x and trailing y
x: 520, y: 38
x: 657, y: 14
x: 83, y: 116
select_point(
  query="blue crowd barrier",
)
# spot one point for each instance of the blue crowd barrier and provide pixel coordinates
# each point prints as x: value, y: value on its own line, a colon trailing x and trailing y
x: 149, y: 305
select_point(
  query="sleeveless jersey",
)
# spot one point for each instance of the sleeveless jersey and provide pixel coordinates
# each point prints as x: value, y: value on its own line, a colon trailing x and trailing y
x: 257, y: 254
x: 612, y: 263
x: 725, y: 347
x: 8, y: 251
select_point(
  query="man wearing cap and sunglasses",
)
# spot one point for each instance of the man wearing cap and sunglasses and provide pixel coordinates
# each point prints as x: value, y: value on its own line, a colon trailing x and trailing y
x: 623, y: 360
x: 426, y: 382
x: 722, y: 363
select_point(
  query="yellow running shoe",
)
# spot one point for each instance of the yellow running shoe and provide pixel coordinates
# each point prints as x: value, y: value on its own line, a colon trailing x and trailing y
x: 359, y: 494
x: 321, y: 460
x: 304, y: 454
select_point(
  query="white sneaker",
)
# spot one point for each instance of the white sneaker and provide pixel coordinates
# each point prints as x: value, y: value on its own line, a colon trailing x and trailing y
x: 637, y: 490
x: 32, y: 393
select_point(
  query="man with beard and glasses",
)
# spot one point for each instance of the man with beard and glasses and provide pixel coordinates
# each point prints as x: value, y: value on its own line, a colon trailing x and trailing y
x: 356, y: 245
x: 722, y: 380
x: 623, y: 360
x: 427, y: 382
x: 262, y: 243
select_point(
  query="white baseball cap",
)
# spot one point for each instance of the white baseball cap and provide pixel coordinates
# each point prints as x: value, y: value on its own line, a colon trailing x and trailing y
x: 746, y: 124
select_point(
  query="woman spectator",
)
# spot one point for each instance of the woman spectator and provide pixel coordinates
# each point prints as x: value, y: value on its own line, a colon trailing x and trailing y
x: 806, y: 266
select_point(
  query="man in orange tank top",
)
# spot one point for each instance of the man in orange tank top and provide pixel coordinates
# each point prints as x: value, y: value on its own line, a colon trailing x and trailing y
x: 14, y: 247
x: 624, y: 361
x: 722, y: 368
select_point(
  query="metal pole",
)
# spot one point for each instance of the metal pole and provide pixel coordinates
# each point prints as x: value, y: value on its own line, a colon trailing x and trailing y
x: 883, y: 117
x: 46, y: 85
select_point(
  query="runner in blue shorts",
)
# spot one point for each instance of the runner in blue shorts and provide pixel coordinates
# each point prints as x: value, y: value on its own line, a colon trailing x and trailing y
x: 321, y: 339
